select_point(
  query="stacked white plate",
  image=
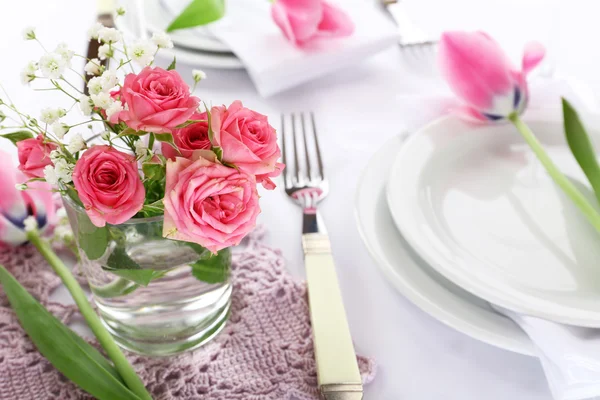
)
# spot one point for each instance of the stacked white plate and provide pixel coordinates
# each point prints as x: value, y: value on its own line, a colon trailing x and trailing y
x: 458, y: 216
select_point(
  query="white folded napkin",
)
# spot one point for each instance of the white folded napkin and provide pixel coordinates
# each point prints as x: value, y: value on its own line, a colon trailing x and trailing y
x: 569, y: 355
x: 274, y: 64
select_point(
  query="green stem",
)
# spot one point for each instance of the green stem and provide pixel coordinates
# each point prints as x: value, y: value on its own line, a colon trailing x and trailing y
x: 131, y: 379
x: 559, y: 178
x: 119, y: 287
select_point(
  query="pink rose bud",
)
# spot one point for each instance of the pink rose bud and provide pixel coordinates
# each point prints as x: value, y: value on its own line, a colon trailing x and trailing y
x: 16, y: 205
x: 156, y: 101
x: 248, y: 141
x: 302, y: 21
x: 192, y: 137
x: 208, y: 203
x: 109, y: 185
x: 34, y: 155
x: 481, y: 74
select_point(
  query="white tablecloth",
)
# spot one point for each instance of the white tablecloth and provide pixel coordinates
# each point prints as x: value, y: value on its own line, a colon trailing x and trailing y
x: 357, y: 111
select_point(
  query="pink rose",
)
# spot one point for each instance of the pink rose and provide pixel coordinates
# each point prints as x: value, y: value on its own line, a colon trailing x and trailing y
x: 192, y: 137
x: 208, y: 203
x: 156, y: 101
x: 34, y: 155
x: 108, y: 185
x: 248, y: 141
x: 304, y: 20
x: 16, y: 205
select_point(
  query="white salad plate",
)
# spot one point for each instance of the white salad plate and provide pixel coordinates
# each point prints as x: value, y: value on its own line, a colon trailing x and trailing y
x: 475, y: 203
x: 412, y: 277
x: 194, y: 46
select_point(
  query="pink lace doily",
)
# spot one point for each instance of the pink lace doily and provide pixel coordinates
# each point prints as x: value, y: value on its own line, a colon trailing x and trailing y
x: 264, y: 353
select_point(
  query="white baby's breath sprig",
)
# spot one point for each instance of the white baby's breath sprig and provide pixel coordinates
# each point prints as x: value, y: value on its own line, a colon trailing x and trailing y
x: 93, y: 67
x: 28, y: 73
x: 142, y: 52
x: 102, y: 100
x: 198, y: 75
x: 109, y: 35
x: 30, y: 224
x: 115, y: 108
x: 63, y: 170
x: 162, y: 40
x: 85, y: 105
x: 109, y: 80
x: 94, y: 30
x: 50, y: 175
x: 29, y: 33
x: 53, y: 65
x: 140, y: 148
x: 105, y: 51
x: 60, y: 129
x: 55, y: 155
x: 95, y: 85
x: 76, y: 144
x: 50, y: 115
x: 105, y: 135
x: 63, y: 50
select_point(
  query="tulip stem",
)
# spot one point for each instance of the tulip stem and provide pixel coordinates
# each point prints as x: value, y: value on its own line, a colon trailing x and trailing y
x: 131, y: 379
x: 559, y: 178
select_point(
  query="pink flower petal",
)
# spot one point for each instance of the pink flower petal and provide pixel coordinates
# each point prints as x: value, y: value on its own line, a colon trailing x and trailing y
x: 534, y: 54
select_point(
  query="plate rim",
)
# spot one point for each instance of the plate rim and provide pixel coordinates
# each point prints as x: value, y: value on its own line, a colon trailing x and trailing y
x: 521, y: 346
x: 539, y: 307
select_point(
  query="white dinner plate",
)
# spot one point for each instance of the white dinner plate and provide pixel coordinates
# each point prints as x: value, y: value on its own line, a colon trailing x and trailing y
x: 192, y: 46
x: 413, y: 278
x: 476, y: 204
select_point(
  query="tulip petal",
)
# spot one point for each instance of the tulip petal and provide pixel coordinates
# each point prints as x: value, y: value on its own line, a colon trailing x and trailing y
x: 335, y: 22
x: 11, y: 202
x: 534, y: 54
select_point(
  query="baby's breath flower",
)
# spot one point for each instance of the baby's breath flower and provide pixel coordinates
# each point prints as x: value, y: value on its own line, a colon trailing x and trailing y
x: 85, y: 104
x: 120, y: 11
x: 28, y: 73
x: 140, y: 148
x: 60, y: 129
x: 64, y: 52
x: 30, y: 224
x: 94, y: 30
x: 76, y: 144
x: 64, y: 170
x: 109, y: 80
x: 21, y: 186
x: 51, y: 115
x: 50, y: 175
x: 115, y: 108
x: 109, y: 35
x: 95, y: 85
x: 29, y: 33
x: 61, y: 214
x: 92, y: 67
x: 102, y: 100
x: 162, y: 40
x: 55, y: 155
x: 105, y: 52
x: 198, y: 75
x: 52, y: 65
x: 105, y: 135
x: 142, y: 52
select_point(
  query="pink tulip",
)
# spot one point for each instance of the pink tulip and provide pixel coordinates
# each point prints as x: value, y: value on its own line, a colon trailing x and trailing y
x: 302, y: 21
x: 481, y: 74
x: 16, y: 205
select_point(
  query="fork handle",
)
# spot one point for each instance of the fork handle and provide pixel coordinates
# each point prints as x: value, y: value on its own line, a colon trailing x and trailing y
x: 337, y: 368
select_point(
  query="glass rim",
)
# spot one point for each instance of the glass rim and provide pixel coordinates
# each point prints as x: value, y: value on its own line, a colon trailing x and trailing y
x: 131, y: 221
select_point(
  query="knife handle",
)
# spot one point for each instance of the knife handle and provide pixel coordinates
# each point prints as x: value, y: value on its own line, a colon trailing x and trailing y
x: 337, y: 368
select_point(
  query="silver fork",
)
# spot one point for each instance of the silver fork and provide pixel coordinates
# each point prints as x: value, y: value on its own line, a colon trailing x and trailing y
x: 306, y: 185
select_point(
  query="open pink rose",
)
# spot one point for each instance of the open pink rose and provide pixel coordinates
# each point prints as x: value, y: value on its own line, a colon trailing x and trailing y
x: 34, y: 155
x: 248, y: 141
x: 192, y: 137
x: 155, y: 100
x: 108, y: 185
x: 16, y: 205
x: 208, y: 203
x: 304, y: 20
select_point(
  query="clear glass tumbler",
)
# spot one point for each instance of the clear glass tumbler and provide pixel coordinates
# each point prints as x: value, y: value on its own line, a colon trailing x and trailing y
x: 156, y: 296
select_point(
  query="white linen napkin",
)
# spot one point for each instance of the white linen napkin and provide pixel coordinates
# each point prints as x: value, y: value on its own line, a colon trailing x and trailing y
x: 570, y: 356
x: 274, y: 64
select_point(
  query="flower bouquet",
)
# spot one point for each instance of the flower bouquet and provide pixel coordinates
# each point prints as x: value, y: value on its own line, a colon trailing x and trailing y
x: 157, y: 190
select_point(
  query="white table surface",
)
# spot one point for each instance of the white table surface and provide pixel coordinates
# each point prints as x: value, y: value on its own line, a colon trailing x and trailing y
x: 357, y: 110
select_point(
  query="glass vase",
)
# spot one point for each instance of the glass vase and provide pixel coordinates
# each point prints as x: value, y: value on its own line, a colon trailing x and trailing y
x: 156, y: 296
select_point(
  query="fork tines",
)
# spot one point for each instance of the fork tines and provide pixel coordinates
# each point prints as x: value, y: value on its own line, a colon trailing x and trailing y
x: 300, y: 150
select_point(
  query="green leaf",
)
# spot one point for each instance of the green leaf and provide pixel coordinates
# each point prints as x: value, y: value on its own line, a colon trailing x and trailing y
x: 212, y: 268
x: 154, y: 170
x: 2, y: 116
x: 581, y: 146
x: 190, y: 122
x: 165, y: 138
x: 173, y: 64
x: 119, y: 259
x: 198, y: 12
x: 71, y: 355
x: 218, y: 151
x: 211, y: 134
x: 17, y: 136
x: 140, y: 276
x: 92, y: 239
